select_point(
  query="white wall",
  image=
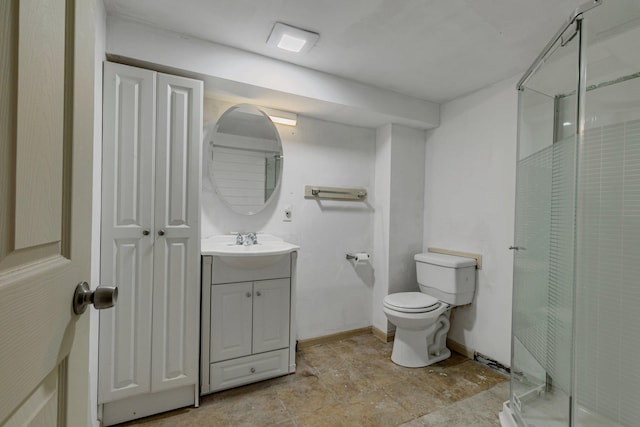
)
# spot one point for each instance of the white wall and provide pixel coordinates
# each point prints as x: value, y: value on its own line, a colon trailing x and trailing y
x: 380, y: 259
x: 407, y: 206
x: 469, y: 206
x: 332, y: 294
x: 399, y: 187
x: 100, y: 49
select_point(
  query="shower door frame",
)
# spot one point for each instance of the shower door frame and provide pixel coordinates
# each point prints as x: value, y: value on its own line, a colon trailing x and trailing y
x: 577, y: 19
x: 577, y: 14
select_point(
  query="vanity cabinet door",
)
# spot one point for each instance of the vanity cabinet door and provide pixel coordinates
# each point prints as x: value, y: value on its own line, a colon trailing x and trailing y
x: 271, y: 310
x: 231, y: 314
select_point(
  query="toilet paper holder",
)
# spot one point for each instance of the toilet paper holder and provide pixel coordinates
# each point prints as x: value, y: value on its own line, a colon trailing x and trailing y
x: 358, y: 256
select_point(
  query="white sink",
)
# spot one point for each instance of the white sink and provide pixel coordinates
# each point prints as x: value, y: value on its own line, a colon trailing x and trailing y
x: 267, y: 251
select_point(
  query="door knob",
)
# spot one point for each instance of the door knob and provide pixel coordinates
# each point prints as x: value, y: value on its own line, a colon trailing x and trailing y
x: 146, y: 232
x: 103, y: 297
x: 160, y: 232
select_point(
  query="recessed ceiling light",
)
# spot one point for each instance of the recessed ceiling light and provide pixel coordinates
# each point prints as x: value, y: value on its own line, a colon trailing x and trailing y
x: 291, y: 39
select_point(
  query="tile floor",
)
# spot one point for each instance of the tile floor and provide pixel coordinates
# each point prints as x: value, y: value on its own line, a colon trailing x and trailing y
x: 352, y: 382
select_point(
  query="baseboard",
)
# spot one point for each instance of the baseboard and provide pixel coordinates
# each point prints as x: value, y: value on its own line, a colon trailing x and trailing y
x: 383, y: 336
x: 302, y: 344
x: 478, y: 357
x: 459, y: 348
x: 491, y: 363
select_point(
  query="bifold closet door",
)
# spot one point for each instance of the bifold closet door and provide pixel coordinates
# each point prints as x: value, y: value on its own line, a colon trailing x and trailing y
x: 176, y: 288
x: 126, y: 238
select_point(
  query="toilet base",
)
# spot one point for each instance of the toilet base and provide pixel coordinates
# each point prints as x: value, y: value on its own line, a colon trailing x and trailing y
x: 411, y: 351
x: 417, y: 348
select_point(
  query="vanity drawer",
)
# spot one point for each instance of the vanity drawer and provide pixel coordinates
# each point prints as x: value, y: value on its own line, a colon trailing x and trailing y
x: 225, y: 272
x: 249, y: 369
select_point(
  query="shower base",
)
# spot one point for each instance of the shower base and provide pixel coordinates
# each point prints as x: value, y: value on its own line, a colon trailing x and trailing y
x: 541, y: 414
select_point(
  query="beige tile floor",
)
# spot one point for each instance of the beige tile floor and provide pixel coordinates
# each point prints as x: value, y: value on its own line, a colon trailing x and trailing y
x: 352, y: 382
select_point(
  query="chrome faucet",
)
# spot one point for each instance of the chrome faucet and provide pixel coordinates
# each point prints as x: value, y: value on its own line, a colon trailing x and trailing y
x: 251, y: 239
x: 247, y: 239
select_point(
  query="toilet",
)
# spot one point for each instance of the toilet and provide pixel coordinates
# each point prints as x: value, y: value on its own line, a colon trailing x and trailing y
x: 422, y: 318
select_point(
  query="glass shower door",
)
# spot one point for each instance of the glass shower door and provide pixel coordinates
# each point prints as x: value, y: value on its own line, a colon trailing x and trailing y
x: 543, y: 300
x: 607, y: 343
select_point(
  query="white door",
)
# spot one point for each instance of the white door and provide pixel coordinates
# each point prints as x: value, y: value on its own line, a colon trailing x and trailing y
x: 150, y: 231
x: 176, y: 252
x: 46, y: 133
x: 127, y: 230
x: 271, y: 314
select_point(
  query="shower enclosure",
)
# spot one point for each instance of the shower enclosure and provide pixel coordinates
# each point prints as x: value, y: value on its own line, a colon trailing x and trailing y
x: 576, y: 302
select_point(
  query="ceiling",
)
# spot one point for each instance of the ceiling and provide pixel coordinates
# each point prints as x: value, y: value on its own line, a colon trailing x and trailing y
x: 435, y: 50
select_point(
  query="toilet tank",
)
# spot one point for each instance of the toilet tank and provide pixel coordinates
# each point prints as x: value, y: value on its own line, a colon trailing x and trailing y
x: 451, y: 279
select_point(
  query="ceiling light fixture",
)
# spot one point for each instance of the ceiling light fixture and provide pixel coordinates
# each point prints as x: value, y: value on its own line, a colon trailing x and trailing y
x: 291, y: 39
x: 281, y: 117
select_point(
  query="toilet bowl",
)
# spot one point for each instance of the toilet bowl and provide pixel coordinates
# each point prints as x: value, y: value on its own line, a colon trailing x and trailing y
x: 422, y: 323
x: 422, y: 318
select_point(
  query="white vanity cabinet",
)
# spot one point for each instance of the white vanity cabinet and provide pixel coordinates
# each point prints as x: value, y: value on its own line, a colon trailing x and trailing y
x: 150, y: 242
x: 249, y: 317
x: 248, y: 332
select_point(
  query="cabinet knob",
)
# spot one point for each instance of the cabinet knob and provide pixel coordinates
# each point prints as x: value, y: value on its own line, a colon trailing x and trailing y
x: 146, y: 232
x: 258, y: 293
x: 248, y: 294
x: 160, y: 232
x: 253, y: 370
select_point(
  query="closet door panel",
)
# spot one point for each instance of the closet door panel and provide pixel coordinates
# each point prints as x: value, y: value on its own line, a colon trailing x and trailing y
x: 127, y: 210
x: 173, y: 327
x: 177, y: 214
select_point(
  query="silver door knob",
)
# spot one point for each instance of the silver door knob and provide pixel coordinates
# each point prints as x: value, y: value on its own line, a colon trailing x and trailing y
x: 160, y: 232
x: 103, y: 297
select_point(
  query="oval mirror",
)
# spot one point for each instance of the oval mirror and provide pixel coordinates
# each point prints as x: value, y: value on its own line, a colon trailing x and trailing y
x: 245, y: 159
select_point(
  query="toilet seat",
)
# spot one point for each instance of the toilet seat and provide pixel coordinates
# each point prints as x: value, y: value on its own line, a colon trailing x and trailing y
x: 411, y: 302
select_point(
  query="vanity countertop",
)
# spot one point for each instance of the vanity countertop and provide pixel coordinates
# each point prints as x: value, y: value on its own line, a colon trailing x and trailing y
x: 225, y: 245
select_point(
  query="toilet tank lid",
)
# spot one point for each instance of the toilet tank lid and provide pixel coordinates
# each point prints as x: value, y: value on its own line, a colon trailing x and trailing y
x: 443, y: 260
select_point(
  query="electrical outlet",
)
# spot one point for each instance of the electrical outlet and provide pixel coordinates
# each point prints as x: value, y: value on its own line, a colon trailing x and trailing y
x: 287, y: 214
